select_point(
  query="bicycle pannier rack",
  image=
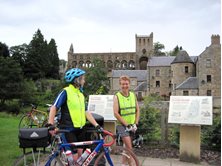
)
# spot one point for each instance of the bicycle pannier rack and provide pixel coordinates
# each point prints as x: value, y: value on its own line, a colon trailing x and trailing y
x: 34, y: 137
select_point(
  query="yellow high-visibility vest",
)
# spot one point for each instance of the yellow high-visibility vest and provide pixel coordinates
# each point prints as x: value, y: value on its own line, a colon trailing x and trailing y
x: 76, y: 106
x: 127, y: 107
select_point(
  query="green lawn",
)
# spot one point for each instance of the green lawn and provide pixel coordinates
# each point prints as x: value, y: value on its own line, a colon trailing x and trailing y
x: 9, y: 149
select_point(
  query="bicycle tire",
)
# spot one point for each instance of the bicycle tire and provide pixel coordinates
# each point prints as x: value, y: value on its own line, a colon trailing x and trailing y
x: 26, y: 122
x: 116, y: 155
x: 28, y: 160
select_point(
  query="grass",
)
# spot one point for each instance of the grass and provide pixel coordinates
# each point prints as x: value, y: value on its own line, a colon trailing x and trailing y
x: 9, y: 149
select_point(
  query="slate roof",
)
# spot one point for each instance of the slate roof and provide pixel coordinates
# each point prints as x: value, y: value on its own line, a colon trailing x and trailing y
x: 189, y: 83
x: 141, y: 75
x: 160, y: 61
x: 182, y: 57
x: 167, y: 60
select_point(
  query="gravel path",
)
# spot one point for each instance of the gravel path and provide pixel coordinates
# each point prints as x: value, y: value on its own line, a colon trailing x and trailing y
x: 211, y: 157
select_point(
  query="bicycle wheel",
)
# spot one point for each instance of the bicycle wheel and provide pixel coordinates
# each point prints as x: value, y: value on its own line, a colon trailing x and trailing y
x: 33, y: 158
x: 26, y: 122
x: 119, y: 156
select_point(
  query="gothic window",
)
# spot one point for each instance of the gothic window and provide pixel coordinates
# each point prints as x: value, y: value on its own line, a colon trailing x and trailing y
x: 88, y: 64
x: 109, y: 64
x: 186, y: 69
x: 74, y: 64
x: 209, y: 78
x: 208, y: 63
x: 209, y: 93
x: 185, y: 93
x: 144, y: 41
x: 144, y: 51
x: 81, y: 64
x: 80, y: 57
x: 117, y: 64
x: 124, y: 64
x: 157, y: 84
x: 158, y: 72
x: 139, y: 41
x: 131, y: 64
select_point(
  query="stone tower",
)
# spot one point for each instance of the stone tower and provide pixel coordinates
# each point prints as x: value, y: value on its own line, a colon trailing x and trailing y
x: 182, y: 68
x: 144, y: 49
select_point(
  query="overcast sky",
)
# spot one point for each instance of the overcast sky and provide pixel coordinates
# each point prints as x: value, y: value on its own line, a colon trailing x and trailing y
x: 111, y: 25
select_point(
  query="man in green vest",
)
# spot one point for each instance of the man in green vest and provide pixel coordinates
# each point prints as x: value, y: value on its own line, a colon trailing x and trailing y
x: 71, y: 101
x: 126, y: 110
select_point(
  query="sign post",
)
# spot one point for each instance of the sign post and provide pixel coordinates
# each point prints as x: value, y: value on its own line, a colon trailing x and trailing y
x: 103, y: 105
x: 190, y: 112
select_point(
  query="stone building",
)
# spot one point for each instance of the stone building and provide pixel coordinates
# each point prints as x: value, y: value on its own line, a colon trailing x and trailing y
x: 184, y: 75
x: 164, y: 75
x: 116, y: 60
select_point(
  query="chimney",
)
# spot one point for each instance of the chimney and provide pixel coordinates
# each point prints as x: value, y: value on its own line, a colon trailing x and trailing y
x: 215, y: 39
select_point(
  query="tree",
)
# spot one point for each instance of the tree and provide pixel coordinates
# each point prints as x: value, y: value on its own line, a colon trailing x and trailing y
x: 175, y: 51
x: 97, y: 81
x: 36, y: 65
x: 53, y: 71
x: 19, y: 54
x: 4, y: 52
x: 10, y: 79
x: 158, y: 47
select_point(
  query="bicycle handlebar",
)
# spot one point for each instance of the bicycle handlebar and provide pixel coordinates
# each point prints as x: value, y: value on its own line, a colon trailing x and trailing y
x: 107, y: 133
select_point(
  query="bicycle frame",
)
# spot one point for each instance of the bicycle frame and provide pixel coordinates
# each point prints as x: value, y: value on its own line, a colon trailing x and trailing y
x: 100, y: 144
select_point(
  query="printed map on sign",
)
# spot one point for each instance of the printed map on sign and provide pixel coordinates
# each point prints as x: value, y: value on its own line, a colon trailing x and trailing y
x: 195, y: 110
x: 102, y: 105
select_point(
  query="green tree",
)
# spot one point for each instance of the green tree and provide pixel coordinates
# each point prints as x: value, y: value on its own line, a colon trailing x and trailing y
x: 53, y: 72
x: 19, y: 54
x: 97, y: 81
x: 158, y: 47
x: 10, y: 79
x: 4, y: 52
x: 175, y: 51
x: 36, y: 65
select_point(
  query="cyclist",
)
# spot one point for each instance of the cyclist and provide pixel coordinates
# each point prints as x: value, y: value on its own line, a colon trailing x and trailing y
x: 73, y: 112
x: 126, y: 110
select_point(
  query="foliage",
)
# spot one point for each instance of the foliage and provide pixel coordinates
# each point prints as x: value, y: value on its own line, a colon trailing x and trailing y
x: 19, y: 54
x: 4, y: 52
x: 158, y: 47
x: 97, y: 81
x: 150, y: 120
x: 10, y: 79
x: 211, y: 135
x: 175, y: 51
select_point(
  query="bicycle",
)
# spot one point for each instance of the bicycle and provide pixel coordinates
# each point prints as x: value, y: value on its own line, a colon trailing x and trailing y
x: 100, y: 151
x: 34, y: 118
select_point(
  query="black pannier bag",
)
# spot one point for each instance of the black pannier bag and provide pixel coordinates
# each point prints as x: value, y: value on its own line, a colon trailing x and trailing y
x: 33, y: 137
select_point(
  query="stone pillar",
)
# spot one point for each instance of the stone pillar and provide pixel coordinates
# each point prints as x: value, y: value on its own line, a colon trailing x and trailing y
x: 190, y: 143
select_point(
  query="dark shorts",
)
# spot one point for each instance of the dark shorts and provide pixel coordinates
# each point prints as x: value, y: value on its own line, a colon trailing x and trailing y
x: 120, y: 129
x: 75, y: 135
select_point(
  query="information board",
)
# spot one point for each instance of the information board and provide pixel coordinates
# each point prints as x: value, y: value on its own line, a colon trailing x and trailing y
x: 195, y: 110
x: 102, y: 105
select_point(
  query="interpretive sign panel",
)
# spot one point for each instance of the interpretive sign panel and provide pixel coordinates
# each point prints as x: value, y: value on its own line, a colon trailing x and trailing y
x: 195, y: 110
x: 102, y: 105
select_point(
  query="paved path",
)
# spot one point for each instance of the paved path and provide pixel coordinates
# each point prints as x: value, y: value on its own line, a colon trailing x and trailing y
x: 147, y: 161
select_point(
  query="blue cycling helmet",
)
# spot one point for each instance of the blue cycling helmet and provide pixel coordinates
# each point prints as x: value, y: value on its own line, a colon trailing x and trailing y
x: 73, y: 73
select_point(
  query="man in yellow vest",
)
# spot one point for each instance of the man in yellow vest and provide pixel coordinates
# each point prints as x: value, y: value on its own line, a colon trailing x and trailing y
x: 126, y: 110
x: 73, y: 111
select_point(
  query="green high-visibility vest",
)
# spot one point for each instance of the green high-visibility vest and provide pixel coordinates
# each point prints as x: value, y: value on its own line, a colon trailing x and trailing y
x: 76, y: 106
x: 127, y: 107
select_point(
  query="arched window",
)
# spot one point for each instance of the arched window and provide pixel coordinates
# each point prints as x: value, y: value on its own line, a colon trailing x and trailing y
x: 88, y: 64
x: 124, y: 64
x: 81, y: 64
x: 109, y: 64
x: 117, y: 64
x: 74, y: 64
x: 132, y: 64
